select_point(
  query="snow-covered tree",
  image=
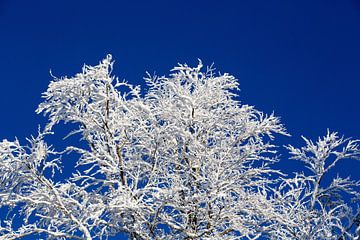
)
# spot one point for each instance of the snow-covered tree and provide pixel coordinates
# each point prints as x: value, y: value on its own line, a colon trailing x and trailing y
x: 183, y: 159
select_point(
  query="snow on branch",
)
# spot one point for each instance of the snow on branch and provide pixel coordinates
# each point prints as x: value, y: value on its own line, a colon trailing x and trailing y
x: 183, y: 160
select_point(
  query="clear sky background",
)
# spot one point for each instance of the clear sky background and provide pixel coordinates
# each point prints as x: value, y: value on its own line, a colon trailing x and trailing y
x: 300, y: 59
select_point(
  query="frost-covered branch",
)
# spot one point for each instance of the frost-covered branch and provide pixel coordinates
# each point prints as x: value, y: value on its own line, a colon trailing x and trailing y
x: 182, y: 160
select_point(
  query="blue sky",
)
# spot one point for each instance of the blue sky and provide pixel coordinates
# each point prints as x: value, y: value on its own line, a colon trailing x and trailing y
x: 300, y: 59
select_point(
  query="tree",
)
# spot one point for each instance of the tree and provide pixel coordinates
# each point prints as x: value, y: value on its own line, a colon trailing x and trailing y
x: 185, y: 160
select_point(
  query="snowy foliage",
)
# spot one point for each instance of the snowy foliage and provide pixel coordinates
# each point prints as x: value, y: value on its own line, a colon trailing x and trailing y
x: 184, y: 160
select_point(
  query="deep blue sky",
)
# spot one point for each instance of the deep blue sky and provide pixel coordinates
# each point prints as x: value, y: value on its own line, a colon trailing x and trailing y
x: 300, y: 59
